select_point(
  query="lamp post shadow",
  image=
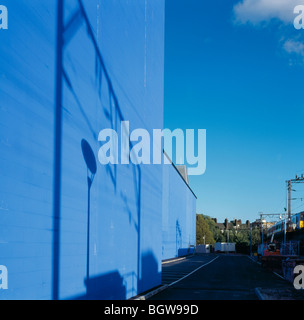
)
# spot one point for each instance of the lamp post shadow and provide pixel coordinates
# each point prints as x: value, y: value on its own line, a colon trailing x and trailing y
x: 90, y: 161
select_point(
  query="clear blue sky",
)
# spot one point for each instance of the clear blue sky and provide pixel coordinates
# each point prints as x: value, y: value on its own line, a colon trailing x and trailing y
x: 239, y: 76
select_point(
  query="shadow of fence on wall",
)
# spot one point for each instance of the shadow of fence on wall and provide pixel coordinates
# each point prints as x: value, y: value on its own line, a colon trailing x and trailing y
x: 116, y: 286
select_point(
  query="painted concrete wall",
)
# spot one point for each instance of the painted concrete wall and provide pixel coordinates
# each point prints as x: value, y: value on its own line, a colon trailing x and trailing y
x: 179, y: 215
x: 70, y: 227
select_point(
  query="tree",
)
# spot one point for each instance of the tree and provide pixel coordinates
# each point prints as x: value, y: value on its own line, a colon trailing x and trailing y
x: 218, y: 236
x: 206, y: 226
x: 203, y: 230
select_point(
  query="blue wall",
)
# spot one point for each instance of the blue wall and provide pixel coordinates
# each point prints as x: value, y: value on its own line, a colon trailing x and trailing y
x: 55, y: 97
x: 179, y: 215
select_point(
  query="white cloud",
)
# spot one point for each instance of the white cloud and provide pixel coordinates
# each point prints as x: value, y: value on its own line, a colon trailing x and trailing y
x: 293, y: 49
x: 293, y: 46
x: 259, y: 11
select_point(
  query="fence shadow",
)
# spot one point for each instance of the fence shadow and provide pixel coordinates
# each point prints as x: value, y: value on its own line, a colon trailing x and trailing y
x: 109, y: 286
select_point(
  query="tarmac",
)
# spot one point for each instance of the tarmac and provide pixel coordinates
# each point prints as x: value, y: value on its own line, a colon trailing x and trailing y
x: 220, y: 277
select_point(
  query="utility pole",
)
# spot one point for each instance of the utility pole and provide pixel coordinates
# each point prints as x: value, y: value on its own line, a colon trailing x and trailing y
x: 270, y: 215
x: 285, y: 227
x: 227, y: 240
x: 250, y: 240
x: 261, y: 215
x: 289, y: 183
x: 289, y: 203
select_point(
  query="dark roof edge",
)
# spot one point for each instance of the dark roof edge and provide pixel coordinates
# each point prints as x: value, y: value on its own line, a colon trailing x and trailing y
x: 179, y: 173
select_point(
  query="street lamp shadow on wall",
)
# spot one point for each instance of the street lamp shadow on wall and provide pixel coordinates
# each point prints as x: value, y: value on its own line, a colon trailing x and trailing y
x: 90, y: 161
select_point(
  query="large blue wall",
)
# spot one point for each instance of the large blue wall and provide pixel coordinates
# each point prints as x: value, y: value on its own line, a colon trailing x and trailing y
x: 179, y: 215
x: 55, y: 97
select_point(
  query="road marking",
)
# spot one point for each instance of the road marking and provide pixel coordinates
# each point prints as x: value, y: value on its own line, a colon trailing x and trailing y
x: 278, y: 275
x: 174, y: 275
x: 173, y: 260
x: 175, y: 272
x: 150, y: 294
x: 259, y: 294
x: 272, y: 271
x: 254, y: 260
x: 189, y: 274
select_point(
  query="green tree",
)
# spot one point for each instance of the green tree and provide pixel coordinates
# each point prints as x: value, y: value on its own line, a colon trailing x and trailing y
x: 203, y: 230
x: 206, y: 226
x: 218, y: 236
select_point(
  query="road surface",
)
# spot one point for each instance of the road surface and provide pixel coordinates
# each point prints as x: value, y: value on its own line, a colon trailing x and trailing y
x: 216, y: 277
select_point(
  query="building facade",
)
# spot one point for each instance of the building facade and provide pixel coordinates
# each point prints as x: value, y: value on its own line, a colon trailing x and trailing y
x: 71, y: 228
x: 178, y: 214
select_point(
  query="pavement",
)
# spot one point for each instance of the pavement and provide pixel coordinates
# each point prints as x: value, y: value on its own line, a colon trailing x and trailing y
x: 222, y: 277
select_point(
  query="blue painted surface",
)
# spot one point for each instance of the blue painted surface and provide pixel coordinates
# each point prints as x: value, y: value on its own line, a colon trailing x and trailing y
x: 66, y: 230
x: 71, y: 228
x: 179, y: 215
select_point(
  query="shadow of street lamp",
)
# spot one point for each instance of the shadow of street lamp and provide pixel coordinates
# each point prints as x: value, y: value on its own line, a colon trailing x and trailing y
x: 90, y: 161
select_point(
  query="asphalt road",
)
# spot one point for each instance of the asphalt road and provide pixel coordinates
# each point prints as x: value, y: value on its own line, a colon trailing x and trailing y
x: 216, y: 277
